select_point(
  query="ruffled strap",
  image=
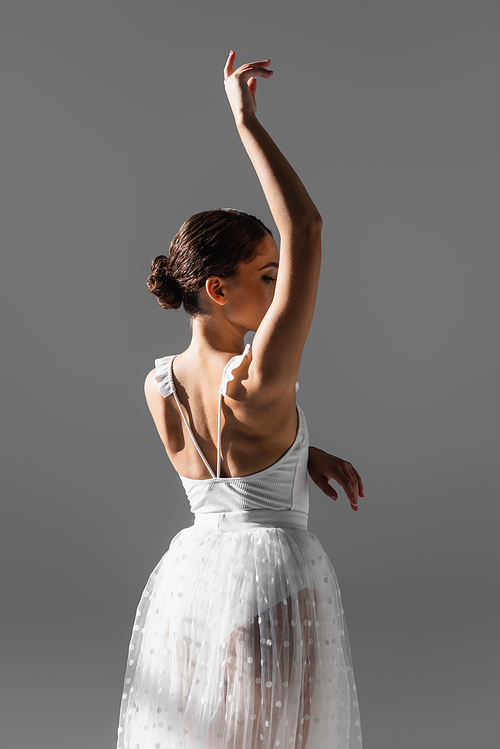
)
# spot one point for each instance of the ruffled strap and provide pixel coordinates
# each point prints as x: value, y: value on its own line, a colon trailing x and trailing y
x: 163, y: 375
x: 234, y: 363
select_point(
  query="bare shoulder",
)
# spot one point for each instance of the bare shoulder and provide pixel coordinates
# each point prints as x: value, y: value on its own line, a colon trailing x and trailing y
x: 150, y: 384
x: 161, y: 411
x: 157, y: 404
x: 151, y: 390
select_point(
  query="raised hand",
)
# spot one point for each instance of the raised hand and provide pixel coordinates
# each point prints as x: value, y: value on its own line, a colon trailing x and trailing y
x: 241, y: 85
x: 323, y: 467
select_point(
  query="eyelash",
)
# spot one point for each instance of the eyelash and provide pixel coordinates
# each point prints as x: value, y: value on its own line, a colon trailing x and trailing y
x: 268, y: 278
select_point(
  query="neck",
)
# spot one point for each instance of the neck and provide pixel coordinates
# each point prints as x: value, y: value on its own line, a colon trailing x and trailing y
x: 216, y: 336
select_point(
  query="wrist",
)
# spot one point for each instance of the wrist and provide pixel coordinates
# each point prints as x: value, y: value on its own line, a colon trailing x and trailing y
x: 312, y: 451
x: 245, y: 120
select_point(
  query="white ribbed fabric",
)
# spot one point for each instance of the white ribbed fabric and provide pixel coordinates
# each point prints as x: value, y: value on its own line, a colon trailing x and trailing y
x: 240, y: 639
x: 282, y: 486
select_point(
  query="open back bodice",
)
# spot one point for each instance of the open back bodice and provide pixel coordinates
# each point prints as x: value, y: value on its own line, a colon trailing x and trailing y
x: 277, y: 495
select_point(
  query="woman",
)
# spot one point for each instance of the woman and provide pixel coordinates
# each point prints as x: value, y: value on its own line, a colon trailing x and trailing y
x: 240, y: 639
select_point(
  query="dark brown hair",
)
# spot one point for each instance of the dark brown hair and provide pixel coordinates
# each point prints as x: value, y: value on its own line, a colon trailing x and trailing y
x: 211, y: 243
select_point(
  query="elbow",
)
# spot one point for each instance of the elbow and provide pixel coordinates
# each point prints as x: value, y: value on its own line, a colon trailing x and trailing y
x: 318, y: 221
x: 305, y: 225
x: 313, y: 222
x: 308, y: 225
x: 312, y: 227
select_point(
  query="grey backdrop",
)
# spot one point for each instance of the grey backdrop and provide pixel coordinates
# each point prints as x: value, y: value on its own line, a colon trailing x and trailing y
x: 116, y: 129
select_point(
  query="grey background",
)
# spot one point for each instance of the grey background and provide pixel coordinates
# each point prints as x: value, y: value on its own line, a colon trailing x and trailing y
x: 116, y: 129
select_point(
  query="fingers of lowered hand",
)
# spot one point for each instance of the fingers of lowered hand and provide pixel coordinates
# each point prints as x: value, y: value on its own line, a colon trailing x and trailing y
x: 351, y: 486
x: 332, y: 493
x: 360, y: 483
x: 321, y: 482
x: 357, y: 484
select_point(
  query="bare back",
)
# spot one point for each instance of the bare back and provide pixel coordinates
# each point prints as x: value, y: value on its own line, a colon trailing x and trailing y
x: 257, y: 427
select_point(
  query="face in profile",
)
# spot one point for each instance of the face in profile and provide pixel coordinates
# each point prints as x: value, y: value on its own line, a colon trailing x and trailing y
x: 250, y: 292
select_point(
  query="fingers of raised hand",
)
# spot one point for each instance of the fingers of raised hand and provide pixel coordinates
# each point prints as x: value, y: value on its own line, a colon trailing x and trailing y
x: 248, y: 70
x: 229, y: 66
x: 258, y: 64
x: 252, y: 85
x: 253, y: 69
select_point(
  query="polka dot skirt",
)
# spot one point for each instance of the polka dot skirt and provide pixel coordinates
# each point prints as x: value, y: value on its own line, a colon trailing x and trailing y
x: 216, y: 660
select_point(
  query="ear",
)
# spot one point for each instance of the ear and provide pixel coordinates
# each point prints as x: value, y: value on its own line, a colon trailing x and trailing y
x: 215, y: 290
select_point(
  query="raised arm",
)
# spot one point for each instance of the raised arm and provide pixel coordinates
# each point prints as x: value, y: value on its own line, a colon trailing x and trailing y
x: 279, y: 341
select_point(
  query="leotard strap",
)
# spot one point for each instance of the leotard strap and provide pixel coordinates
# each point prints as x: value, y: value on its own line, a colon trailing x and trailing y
x: 165, y: 379
x: 192, y: 435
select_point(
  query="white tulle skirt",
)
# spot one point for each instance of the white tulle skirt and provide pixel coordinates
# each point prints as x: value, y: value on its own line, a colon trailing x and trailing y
x: 240, y: 641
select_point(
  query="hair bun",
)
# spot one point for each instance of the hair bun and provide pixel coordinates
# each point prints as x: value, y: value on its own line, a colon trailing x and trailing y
x: 163, y: 285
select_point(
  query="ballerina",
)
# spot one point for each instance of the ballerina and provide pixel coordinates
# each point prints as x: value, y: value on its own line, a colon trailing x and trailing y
x: 240, y: 638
